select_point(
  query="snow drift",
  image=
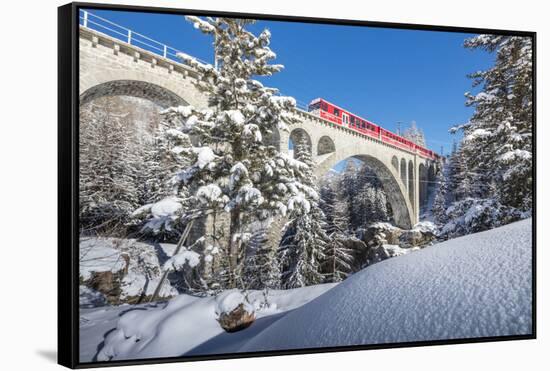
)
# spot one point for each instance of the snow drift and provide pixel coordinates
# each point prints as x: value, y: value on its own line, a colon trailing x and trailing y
x: 186, y: 325
x: 474, y: 286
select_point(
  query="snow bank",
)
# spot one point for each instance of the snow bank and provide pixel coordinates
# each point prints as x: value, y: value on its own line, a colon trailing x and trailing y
x: 187, y: 324
x: 99, y: 255
x: 231, y: 299
x: 474, y: 286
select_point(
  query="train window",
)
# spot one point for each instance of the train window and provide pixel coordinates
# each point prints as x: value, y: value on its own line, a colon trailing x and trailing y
x: 324, y: 106
x: 352, y: 120
x: 336, y: 112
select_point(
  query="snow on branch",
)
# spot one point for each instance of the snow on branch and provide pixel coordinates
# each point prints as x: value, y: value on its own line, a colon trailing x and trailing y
x: 200, y: 24
x: 180, y: 260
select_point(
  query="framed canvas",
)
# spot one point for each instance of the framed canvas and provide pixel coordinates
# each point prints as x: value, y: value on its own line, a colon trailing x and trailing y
x: 240, y: 185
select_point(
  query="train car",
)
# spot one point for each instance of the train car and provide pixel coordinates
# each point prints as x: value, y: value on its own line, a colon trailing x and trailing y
x: 425, y: 152
x: 340, y: 116
x: 396, y: 140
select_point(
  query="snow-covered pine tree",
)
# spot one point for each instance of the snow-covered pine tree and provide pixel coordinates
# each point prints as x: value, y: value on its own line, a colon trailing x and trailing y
x: 459, y: 179
x: 150, y: 182
x: 498, y: 138
x: 415, y: 134
x: 327, y: 203
x: 163, y: 193
x: 369, y: 202
x: 439, y: 206
x: 107, y: 172
x: 305, y: 241
x: 338, y: 260
x: 381, y: 210
x: 490, y: 174
x: 262, y: 269
x: 347, y: 193
x: 235, y: 172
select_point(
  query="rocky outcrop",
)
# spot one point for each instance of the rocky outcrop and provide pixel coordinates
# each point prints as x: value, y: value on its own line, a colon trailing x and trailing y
x: 122, y: 271
x: 234, y: 310
x: 416, y: 238
x: 384, y: 240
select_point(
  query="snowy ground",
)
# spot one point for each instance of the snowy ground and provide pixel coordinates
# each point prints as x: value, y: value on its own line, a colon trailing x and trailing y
x: 474, y: 286
x: 184, y: 325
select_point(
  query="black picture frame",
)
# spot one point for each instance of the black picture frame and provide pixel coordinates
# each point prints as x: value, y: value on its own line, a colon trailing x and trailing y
x: 68, y: 131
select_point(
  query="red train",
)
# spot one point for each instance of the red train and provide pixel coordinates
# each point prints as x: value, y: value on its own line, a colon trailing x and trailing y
x: 340, y: 116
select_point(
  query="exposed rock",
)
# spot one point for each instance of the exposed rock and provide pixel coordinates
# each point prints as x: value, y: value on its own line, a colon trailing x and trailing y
x: 236, y: 320
x: 358, y: 249
x: 123, y: 271
x: 234, y: 310
x: 107, y: 283
x: 384, y: 240
x: 378, y: 234
x: 416, y: 237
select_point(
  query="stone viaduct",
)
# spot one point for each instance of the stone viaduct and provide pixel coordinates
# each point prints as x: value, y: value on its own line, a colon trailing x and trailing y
x: 109, y: 66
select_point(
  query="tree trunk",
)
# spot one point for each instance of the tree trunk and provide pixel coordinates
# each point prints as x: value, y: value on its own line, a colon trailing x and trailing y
x: 234, y: 246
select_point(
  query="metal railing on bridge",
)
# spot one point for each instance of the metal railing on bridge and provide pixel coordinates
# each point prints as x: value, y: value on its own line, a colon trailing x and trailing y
x: 109, y: 28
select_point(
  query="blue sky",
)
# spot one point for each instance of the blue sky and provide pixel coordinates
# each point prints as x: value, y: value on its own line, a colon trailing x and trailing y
x: 385, y: 75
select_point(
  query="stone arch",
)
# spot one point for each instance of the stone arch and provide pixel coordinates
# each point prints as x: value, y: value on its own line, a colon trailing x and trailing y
x: 403, y: 213
x: 411, y: 182
x: 325, y: 145
x: 299, y: 134
x: 395, y: 163
x: 134, y: 88
x: 392, y: 189
x: 403, y: 172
